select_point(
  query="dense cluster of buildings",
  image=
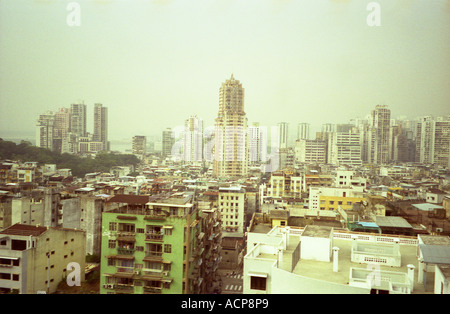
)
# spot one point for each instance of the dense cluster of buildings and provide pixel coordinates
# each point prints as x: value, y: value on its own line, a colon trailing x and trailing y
x: 363, y: 208
x: 65, y: 131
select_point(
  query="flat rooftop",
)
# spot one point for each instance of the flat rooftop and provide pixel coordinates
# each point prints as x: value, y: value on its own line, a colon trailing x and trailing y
x: 324, y: 270
x: 317, y: 231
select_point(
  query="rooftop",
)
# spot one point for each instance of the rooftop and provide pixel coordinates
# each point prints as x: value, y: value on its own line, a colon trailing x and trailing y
x: 24, y: 230
x: 323, y: 270
x: 317, y: 231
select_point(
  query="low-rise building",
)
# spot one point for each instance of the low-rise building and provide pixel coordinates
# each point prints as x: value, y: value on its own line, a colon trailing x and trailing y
x: 36, y: 259
x: 322, y: 260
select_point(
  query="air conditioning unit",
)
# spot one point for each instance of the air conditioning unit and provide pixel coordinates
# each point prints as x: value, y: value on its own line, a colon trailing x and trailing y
x: 165, y: 273
x: 137, y: 272
x: 439, y: 230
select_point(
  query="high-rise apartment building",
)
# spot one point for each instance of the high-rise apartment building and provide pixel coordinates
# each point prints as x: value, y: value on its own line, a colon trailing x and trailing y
x: 44, y: 130
x: 167, y: 142
x: 78, y: 119
x: 303, y: 131
x: 433, y: 141
x: 311, y: 151
x: 193, y: 139
x: 257, y: 143
x: 344, y: 148
x: 101, y: 125
x: 328, y: 127
x: 139, y: 144
x: 283, y: 134
x: 230, y: 132
x: 64, y: 131
x: 380, y: 123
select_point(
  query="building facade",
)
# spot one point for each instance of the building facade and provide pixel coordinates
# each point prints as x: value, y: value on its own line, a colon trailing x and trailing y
x: 36, y: 259
x: 231, y: 134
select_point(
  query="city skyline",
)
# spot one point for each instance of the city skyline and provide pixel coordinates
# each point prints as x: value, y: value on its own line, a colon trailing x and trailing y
x: 313, y: 62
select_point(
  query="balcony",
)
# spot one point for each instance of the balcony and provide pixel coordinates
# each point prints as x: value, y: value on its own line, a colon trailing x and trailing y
x: 152, y: 290
x: 154, y: 237
x: 125, y: 251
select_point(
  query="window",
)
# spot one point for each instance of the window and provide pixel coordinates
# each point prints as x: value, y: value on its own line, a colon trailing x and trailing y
x: 167, y: 231
x: 18, y: 245
x: 111, y: 244
x: 167, y: 248
x: 258, y: 283
x: 112, y: 226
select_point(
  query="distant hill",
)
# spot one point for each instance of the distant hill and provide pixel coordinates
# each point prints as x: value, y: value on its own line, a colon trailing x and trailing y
x: 102, y: 162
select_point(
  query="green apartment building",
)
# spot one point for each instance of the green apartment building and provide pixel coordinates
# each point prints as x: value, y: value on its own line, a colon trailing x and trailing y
x: 151, y: 245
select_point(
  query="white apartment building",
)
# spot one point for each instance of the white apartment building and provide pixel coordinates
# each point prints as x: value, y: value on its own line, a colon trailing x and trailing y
x: 310, y: 151
x: 433, y: 141
x: 344, y: 148
x: 232, y: 209
x: 349, y: 178
x: 283, y: 134
x: 193, y: 140
x: 321, y: 260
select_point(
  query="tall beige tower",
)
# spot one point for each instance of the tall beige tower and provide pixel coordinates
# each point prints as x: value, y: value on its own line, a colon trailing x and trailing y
x: 230, y: 133
x: 380, y: 122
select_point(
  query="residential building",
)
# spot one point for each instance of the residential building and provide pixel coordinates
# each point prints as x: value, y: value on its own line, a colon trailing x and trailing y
x: 193, y: 140
x: 167, y: 142
x: 349, y: 178
x: 101, y: 126
x: 232, y: 207
x: 44, y: 132
x: 321, y: 260
x: 432, y: 141
x: 78, y: 119
x: 380, y: 123
x: 283, y: 135
x: 231, y: 134
x: 156, y: 247
x: 329, y: 198
x: 139, y: 145
x: 284, y: 184
x: 257, y: 144
x: 311, y: 151
x: 36, y: 259
x: 303, y: 131
x: 344, y: 148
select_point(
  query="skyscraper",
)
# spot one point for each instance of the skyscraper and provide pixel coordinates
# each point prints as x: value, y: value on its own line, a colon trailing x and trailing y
x: 303, y: 131
x: 101, y: 125
x: 380, y: 122
x: 193, y: 139
x: 230, y: 132
x: 167, y: 142
x: 283, y: 133
x: 78, y: 119
x: 433, y: 141
x: 44, y: 132
x: 257, y: 143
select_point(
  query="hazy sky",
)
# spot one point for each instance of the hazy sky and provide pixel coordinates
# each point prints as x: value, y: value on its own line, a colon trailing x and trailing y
x: 154, y: 63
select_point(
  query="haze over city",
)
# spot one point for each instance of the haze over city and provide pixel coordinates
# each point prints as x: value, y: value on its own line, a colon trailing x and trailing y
x: 155, y: 63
